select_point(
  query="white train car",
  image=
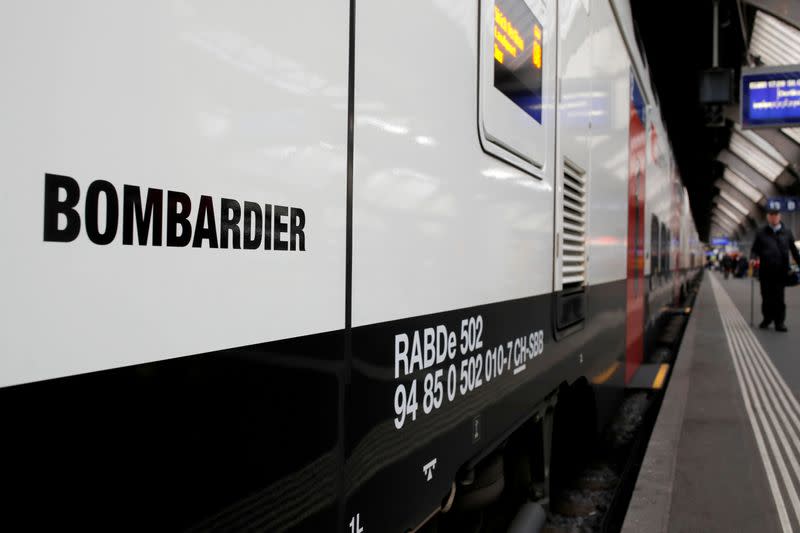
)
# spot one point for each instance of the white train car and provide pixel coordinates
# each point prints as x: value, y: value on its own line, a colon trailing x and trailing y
x: 310, y: 266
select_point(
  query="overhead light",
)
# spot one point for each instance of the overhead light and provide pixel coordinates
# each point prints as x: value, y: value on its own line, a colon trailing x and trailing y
x: 725, y: 233
x: 717, y: 215
x: 732, y: 213
x: 722, y: 220
x: 725, y: 223
x: 734, y: 202
x: 773, y: 41
x: 742, y: 185
x: 719, y: 228
x: 794, y: 133
x: 763, y: 144
x: 735, y: 217
x: 755, y: 157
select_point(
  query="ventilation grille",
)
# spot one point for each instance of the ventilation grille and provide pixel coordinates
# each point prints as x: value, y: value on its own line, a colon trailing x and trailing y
x: 573, y: 241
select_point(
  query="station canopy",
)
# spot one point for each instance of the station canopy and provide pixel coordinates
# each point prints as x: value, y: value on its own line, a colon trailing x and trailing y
x: 732, y: 163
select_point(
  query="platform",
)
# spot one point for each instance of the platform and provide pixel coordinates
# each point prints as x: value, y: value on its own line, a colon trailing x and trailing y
x: 725, y: 452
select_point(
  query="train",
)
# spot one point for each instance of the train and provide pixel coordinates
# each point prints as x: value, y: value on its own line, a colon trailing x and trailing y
x: 326, y: 265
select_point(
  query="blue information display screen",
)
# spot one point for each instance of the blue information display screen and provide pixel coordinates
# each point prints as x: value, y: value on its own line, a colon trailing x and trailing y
x: 518, y: 55
x: 770, y: 97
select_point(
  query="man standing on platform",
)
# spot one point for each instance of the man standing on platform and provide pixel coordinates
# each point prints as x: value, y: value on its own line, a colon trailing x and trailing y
x: 727, y: 265
x: 772, y: 246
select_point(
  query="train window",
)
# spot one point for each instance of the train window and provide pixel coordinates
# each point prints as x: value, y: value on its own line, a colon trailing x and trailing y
x: 655, y: 251
x: 518, y: 56
x: 639, y: 43
x: 517, y: 62
x: 667, y: 250
x: 664, y: 249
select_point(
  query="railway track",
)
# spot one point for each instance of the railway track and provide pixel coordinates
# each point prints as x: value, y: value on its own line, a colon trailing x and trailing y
x: 596, y: 499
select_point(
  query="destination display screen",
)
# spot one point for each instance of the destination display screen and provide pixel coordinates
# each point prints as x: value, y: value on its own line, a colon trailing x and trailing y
x: 771, y: 98
x: 518, y: 55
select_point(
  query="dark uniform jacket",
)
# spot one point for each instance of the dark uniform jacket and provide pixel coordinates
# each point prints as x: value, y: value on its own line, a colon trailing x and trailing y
x: 774, y: 248
x: 727, y: 262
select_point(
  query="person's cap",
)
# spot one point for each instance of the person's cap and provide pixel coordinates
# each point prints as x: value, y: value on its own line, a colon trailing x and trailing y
x: 771, y: 211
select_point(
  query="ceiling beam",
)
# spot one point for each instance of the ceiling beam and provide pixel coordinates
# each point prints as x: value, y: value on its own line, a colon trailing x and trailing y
x: 733, y: 212
x: 749, y: 219
x: 740, y: 197
x: 786, y: 146
x: 742, y: 185
x: 719, y: 229
x: 786, y: 10
x: 727, y: 231
x: 782, y: 143
x: 756, y: 179
x: 731, y: 198
x: 726, y: 216
x: 723, y: 220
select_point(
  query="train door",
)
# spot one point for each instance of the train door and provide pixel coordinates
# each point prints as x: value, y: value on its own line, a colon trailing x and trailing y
x: 634, y: 345
x: 448, y: 231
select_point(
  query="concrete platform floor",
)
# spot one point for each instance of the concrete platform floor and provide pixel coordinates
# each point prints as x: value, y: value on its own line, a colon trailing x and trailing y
x: 725, y: 451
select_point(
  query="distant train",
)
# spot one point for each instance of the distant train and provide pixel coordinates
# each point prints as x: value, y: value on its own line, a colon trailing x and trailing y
x: 322, y: 265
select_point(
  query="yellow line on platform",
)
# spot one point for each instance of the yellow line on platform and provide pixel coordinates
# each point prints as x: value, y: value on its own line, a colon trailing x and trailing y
x: 606, y: 374
x: 658, y: 382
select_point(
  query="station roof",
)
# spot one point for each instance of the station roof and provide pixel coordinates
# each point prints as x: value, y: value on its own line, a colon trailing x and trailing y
x: 728, y: 171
